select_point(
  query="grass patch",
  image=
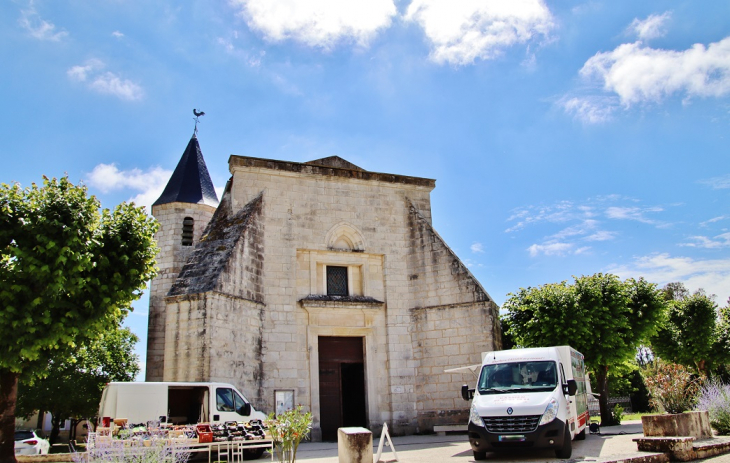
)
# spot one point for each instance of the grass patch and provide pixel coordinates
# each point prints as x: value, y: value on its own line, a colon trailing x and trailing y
x: 626, y: 417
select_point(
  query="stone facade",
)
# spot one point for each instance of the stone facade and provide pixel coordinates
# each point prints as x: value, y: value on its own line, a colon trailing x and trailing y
x: 251, y: 303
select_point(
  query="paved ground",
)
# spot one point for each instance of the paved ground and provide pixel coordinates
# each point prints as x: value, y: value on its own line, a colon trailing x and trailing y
x: 613, y: 442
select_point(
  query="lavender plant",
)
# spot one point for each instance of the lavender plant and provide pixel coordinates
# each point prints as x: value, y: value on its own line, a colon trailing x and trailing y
x: 715, y: 398
x: 153, y: 448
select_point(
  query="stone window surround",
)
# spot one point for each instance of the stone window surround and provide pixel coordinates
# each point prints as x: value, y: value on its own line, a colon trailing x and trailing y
x: 354, y: 261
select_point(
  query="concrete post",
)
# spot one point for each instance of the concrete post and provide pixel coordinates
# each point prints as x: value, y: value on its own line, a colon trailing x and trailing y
x: 354, y: 445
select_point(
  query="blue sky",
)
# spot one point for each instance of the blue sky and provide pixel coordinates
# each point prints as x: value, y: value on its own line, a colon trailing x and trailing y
x: 566, y: 138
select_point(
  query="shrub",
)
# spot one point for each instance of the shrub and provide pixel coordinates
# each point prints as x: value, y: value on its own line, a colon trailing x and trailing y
x: 673, y: 388
x: 715, y: 398
x: 617, y: 413
x: 287, y: 430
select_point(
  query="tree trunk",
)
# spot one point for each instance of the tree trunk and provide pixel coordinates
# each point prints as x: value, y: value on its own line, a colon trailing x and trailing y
x: 602, y: 379
x: 39, y: 421
x: 702, y: 367
x: 55, y: 428
x: 72, y: 431
x: 8, y: 399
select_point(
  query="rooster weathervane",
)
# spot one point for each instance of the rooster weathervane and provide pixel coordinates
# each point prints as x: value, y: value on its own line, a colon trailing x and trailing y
x: 197, y: 115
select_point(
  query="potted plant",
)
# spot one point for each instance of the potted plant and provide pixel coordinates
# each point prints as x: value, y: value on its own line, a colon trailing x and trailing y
x: 674, y: 390
x: 287, y: 430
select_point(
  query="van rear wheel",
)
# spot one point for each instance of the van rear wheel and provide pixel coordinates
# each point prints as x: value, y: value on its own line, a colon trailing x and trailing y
x: 480, y: 455
x: 252, y: 454
x: 581, y: 435
x: 567, y: 449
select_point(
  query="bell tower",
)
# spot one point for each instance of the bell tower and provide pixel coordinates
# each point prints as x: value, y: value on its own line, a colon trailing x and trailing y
x: 183, y: 210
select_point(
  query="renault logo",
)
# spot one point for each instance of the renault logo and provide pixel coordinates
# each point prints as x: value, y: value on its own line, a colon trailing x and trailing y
x: 509, y: 411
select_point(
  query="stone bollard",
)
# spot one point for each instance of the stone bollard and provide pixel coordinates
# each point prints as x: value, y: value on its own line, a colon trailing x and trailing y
x: 354, y: 445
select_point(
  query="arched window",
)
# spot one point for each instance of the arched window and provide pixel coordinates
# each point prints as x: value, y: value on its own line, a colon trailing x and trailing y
x: 187, y: 231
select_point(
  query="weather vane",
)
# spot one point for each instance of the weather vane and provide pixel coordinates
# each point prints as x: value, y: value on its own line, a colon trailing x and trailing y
x: 197, y: 115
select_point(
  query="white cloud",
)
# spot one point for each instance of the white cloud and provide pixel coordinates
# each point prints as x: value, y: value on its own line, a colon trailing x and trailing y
x: 591, y: 109
x: 718, y: 183
x: 711, y: 275
x: 318, y: 23
x: 550, y: 249
x: 117, y: 34
x: 80, y: 73
x: 112, y: 84
x: 581, y: 225
x: 462, y: 31
x: 640, y: 74
x: 563, y: 211
x: 471, y: 264
x: 477, y: 247
x: 632, y: 213
x: 602, y: 235
x: 108, y: 178
x: 719, y: 241
x: 38, y: 27
x: 651, y: 27
x: 109, y: 83
x: 714, y: 219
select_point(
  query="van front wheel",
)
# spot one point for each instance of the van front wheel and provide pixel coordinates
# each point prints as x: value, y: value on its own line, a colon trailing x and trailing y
x: 480, y: 455
x: 567, y: 449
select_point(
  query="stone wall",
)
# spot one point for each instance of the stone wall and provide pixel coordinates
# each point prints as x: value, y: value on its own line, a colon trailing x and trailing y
x: 453, y: 321
x: 448, y: 337
x: 215, y: 337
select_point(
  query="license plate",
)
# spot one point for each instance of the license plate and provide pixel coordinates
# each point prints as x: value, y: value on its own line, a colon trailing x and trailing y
x: 512, y: 438
x: 17, y: 451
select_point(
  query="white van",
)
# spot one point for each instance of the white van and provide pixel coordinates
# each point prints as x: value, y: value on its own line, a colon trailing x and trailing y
x: 529, y: 398
x: 176, y: 403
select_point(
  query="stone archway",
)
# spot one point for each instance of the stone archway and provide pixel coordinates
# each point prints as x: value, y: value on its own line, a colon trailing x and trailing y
x: 345, y: 237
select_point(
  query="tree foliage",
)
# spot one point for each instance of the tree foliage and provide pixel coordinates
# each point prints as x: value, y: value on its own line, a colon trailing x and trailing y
x: 67, y: 272
x: 695, y: 333
x: 599, y: 315
x: 71, y: 386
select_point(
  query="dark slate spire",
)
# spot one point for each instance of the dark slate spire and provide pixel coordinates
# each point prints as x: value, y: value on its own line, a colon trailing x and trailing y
x: 190, y: 183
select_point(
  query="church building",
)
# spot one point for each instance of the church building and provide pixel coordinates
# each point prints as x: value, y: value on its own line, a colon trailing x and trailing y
x: 316, y: 283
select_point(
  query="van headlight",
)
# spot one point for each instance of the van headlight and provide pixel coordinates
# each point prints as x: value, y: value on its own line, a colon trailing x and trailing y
x: 474, y: 416
x: 550, y: 412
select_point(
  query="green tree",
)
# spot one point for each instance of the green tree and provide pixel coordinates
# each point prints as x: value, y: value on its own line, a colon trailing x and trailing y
x: 67, y: 272
x: 71, y: 386
x: 695, y: 333
x: 600, y: 316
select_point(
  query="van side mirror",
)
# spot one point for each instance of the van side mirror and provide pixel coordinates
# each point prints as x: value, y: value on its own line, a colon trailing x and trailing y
x: 572, y: 387
x: 466, y: 393
x: 245, y: 409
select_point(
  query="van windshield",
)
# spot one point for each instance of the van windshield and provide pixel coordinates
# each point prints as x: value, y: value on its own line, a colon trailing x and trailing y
x: 518, y: 377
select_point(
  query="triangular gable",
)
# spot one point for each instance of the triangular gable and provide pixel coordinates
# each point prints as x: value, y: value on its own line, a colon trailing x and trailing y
x: 336, y: 162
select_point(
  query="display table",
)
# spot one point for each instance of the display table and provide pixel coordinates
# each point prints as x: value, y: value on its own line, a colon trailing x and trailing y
x: 230, y: 451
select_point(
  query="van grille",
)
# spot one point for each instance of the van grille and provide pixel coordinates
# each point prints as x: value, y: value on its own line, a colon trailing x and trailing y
x: 508, y: 424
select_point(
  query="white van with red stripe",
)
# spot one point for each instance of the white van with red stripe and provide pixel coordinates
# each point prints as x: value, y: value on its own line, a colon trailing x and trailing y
x: 528, y: 398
